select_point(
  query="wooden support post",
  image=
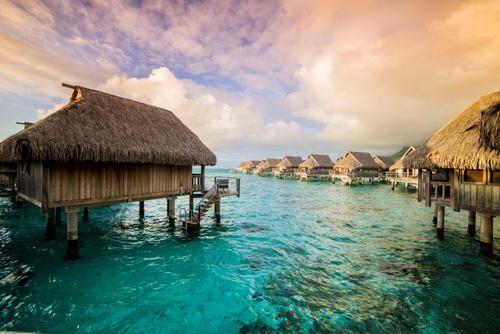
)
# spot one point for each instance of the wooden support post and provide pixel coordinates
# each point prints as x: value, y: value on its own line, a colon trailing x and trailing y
x: 50, y: 223
x: 58, y: 216
x: 72, y: 224
x: 435, y: 217
x: 217, y: 211
x: 440, y: 221
x: 12, y: 189
x: 191, y: 204
x: 486, y: 239
x: 85, y: 214
x: 141, y: 209
x: 471, y: 227
x: 392, y: 185
x: 407, y: 185
x: 171, y: 211
x: 19, y: 202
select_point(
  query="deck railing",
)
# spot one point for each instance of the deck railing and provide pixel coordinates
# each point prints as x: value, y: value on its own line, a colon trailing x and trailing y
x: 227, y: 185
x: 197, y: 182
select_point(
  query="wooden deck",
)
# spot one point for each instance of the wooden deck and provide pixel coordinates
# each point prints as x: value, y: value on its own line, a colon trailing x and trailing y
x: 407, y: 179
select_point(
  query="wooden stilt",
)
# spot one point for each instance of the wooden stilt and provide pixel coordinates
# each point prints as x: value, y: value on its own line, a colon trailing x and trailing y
x: 50, y: 223
x: 435, y: 217
x: 72, y: 224
x: 392, y: 185
x: 19, y: 202
x: 486, y: 238
x: 85, y: 214
x: 58, y: 216
x: 191, y: 204
x: 141, y: 209
x: 171, y: 211
x: 471, y: 227
x: 440, y: 221
x: 217, y: 211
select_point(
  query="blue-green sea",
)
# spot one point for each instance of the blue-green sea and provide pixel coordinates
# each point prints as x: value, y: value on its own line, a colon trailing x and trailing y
x: 288, y: 256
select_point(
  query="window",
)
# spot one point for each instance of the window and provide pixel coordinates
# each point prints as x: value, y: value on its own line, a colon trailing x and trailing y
x: 473, y: 176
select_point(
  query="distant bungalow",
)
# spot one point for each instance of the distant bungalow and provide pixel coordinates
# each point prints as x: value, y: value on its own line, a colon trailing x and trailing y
x: 399, y: 174
x: 462, y: 167
x: 102, y: 149
x: 266, y: 167
x: 385, y: 163
x: 287, y: 167
x: 355, y: 167
x: 316, y: 167
x: 246, y: 166
x: 8, y: 172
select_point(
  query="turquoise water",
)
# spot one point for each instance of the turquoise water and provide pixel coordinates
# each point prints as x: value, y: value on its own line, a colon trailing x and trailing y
x: 287, y: 257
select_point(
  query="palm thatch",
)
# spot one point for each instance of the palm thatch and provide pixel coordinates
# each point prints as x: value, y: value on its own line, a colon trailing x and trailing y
x: 245, y: 164
x: 4, y: 157
x: 317, y: 161
x: 468, y: 141
x: 269, y: 163
x: 357, y: 161
x: 383, y: 161
x: 290, y: 162
x: 96, y: 126
x: 489, y: 127
x: 399, y: 164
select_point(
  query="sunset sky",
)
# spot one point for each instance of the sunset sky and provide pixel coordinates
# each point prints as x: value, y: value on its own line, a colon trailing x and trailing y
x: 259, y: 79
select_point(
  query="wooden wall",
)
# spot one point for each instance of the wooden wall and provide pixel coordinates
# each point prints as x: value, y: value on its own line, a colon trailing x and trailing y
x: 29, y: 181
x: 57, y: 184
x: 479, y: 196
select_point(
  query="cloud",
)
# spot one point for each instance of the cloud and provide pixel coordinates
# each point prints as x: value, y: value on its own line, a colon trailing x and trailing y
x: 42, y: 113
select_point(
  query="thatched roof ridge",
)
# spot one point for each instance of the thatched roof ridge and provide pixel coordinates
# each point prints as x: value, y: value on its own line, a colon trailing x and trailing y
x: 317, y: 161
x: 271, y: 163
x: 290, y: 162
x: 357, y: 160
x: 468, y: 141
x: 255, y: 163
x: 383, y: 161
x: 399, y: 164
x: 96, y: 126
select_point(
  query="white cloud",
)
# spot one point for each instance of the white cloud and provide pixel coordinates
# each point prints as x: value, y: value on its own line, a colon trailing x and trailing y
x: 42, y: 113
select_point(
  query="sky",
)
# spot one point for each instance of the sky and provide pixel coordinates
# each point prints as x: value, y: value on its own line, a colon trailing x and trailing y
x: 259, y: 79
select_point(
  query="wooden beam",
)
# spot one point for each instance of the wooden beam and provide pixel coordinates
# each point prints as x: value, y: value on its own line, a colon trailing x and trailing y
x: 68, y: 86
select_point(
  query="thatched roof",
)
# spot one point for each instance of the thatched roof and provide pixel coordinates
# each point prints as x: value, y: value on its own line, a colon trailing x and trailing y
x: 269, y: 163
x: 357, y: 160
x: 469, y: 141
x: 399, y: 164
x: 317, y: 161
x: 245, y: 164
x: 383, y: 161
x: 96, y: 126
x: 290, y: 162
x: 7, y: 158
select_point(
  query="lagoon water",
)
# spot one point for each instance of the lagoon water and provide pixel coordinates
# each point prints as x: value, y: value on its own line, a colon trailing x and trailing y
x: 288, y: 257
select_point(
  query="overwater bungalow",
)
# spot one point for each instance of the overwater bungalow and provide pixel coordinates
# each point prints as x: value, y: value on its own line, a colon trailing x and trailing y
x: 316, y: 167
x: 356, y: 167
x: 103, y: 149
x: 399, y: 174
x: 246, y: 167
x: 287, y: 167
x: 385, y: 162
x: 459, y: 167
x: 266, y: 167
x: 8, y: 174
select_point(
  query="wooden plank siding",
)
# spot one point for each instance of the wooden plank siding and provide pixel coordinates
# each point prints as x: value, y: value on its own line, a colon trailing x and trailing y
x: 484, y: 198
x: 85, y: 183
x: 30, y: 182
